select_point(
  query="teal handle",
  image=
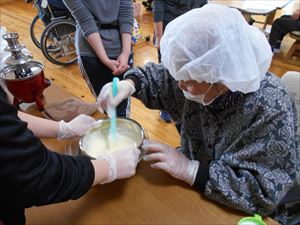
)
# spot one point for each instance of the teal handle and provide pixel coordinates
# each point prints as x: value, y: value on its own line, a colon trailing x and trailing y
x: 115, y: 86
x: 113, y: 126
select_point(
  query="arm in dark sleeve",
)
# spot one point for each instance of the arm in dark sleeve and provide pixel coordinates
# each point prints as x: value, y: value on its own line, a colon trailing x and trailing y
x: 31, y: 174
x: 158, y: 10
x: 125, y: 17
x: 83, y: 16
x: 157, y: 89
x: 202, y: 176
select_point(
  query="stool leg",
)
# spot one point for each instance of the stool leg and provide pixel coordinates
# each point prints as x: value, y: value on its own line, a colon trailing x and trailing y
x: 290, y: 53
x: 293, y: 51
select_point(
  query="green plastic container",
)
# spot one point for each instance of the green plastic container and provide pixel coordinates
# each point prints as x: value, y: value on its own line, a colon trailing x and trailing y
x: 252, y: 220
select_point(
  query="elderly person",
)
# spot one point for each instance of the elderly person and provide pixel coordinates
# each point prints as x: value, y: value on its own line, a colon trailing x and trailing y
x: 238, y: 121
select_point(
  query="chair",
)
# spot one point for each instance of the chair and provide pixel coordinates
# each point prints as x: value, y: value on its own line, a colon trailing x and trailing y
x: 292, y: 200
x: 294, y: 49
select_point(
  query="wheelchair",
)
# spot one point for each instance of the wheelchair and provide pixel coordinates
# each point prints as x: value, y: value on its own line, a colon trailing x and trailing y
x: 53, y: 31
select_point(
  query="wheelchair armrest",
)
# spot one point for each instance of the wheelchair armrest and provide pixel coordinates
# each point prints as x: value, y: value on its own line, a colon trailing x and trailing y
x: 63, y: 13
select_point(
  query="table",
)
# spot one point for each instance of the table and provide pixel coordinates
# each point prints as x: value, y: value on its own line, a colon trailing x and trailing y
x: 262, y: 4
x: 279, y: 4
x: 150, y: 197
x: 266, y: 8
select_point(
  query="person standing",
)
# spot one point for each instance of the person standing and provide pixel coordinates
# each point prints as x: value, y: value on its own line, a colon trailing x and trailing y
x: 103, y: 41
x: 32, y: 175
x: 165, y: 11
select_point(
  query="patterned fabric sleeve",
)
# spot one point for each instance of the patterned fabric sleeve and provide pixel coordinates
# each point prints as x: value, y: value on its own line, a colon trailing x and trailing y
x: 158, y: 90
x: 256, y: 170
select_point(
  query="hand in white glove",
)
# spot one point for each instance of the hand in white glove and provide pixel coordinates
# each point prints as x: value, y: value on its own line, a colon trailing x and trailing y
x: 76, y: 127
x: 172, y: 161
x: 105, y: 98
x: 122, y: 164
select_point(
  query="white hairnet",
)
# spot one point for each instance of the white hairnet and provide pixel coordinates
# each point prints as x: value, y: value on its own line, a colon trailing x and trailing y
x: 215, y: 44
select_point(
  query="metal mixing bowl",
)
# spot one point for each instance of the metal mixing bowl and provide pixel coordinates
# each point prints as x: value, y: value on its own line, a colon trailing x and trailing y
x: 125, y: 126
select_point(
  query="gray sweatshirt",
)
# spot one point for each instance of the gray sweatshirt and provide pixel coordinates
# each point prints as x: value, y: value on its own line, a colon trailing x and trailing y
x: 96, y: 16
x: 167, y: 10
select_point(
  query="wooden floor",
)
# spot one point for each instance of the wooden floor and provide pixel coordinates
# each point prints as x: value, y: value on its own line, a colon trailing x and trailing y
x: 16, y: 16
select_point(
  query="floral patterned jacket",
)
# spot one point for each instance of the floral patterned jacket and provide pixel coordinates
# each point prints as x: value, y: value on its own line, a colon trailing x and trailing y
x: 245, y: 143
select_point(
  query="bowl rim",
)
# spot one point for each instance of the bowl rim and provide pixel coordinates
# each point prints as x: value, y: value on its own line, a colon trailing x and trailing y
x: 143, y: 132
x: 10, y: 68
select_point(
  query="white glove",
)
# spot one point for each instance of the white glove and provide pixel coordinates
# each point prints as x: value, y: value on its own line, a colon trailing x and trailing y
x: 122, y: 164
x: 105, y: 99
x: 172, y: 161
x: 76, y: 127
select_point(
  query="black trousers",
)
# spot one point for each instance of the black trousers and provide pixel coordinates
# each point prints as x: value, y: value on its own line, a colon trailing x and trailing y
x: 97, y: 75
x: 280, y: 28
x: 12, y: 215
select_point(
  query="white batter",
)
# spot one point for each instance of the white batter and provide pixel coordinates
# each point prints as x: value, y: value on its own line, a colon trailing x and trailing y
x: 97, y: 143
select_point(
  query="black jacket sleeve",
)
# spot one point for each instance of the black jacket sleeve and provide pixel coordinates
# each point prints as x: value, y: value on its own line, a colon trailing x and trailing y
x: 31, y: 174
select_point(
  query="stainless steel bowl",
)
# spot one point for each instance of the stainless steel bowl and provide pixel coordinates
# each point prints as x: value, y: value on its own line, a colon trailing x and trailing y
x: 125, y: 126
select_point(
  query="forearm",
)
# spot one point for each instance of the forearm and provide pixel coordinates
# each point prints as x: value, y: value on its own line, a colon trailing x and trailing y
x: 101, y: 171
x: 126, y: 43
x: 262, y: 190
x: 158, y: 29
x: 152, y: 77
x: 157, y: 89
x: 41, y: 128
x: 95, y: 42
x: 248, y: 165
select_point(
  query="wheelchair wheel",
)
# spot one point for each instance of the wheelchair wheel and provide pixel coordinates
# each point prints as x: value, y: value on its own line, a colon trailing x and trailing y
x: 36, y: 30
x: 58, y: 42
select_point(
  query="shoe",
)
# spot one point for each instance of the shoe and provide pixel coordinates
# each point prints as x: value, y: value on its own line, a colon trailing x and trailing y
x: 251, y: 21
x: 147, y: 5
x: 276, y: 50
x: 165, y: 116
